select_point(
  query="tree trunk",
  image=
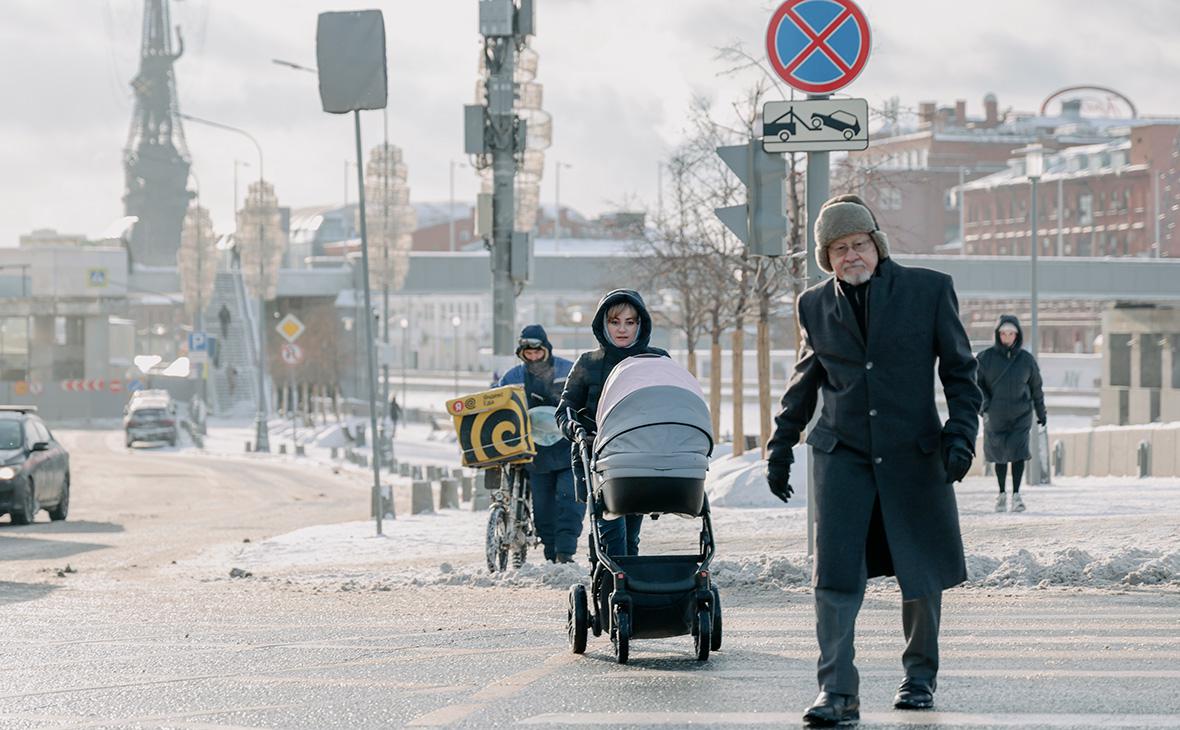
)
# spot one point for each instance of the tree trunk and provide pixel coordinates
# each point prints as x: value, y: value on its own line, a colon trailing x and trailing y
x: 692, y: 358
x: 715, y: 382
x: 739, y: 436
x: 764, y: 402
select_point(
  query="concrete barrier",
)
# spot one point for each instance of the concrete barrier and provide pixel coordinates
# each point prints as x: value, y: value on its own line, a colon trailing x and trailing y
x: 421, y: 497
x: 466, y: 485
x: 448, y: 494
x: 481, y: 499
x: 1114, y: 450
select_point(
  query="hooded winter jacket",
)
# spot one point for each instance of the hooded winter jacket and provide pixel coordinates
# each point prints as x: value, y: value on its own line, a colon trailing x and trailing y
x: 1011, y: 383
x: 543, y: 383
x: 584, y: 385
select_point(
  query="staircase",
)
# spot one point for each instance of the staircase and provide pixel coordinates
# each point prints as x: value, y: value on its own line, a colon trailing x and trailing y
x: 237, y: 348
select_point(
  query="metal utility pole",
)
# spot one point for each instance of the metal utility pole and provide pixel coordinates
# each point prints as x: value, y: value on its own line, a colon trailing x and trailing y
x: 495, y: 130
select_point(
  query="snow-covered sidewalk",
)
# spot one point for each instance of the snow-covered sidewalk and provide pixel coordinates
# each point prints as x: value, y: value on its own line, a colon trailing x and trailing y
x: 1110, y: 533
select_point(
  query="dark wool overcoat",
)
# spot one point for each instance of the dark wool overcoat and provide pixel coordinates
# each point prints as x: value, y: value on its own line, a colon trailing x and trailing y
x: 879, y: 436
x: 1011, y: 383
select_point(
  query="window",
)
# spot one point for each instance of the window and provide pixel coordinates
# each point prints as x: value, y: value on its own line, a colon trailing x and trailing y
x: 890, y: 198
x: 30, y: 434
x: 1150, y: 360
x: 1120, y: 360
x: 1086, y: 209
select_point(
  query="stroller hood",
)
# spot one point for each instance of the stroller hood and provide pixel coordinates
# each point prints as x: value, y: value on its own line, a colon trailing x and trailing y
x: 650, y: 390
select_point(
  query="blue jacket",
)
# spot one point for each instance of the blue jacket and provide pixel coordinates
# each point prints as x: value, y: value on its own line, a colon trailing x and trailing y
x: 543, y: 391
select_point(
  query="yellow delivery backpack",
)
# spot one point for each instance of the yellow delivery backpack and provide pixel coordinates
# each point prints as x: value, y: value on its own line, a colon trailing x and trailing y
x: 493, y: 427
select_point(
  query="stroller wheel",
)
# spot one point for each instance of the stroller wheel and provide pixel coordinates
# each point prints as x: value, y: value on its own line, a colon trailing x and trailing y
x: 578, y: 619
x: 715, y: 644
x: 704, y: 634
x: 622, y: 637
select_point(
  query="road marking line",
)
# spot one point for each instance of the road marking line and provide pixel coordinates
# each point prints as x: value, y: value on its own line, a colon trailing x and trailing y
x: 950, y: 719
x: 501, y: 689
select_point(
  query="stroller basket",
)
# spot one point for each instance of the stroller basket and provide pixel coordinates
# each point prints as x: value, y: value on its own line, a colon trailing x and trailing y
x: 661, y: 589
x: 643, y: 495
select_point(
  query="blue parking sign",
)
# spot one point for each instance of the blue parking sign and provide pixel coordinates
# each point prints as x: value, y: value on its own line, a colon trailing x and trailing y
x: 197, y: 342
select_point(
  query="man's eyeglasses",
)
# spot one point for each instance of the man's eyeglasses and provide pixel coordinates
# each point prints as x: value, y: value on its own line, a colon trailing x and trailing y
x: 841, y: 250
x: 529, y: 343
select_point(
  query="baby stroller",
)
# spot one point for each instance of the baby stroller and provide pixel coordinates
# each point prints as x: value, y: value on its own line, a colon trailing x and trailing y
x: 649, y: 456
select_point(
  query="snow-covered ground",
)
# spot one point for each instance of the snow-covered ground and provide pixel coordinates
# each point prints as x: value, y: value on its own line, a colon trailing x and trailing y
x: 1105, y: 533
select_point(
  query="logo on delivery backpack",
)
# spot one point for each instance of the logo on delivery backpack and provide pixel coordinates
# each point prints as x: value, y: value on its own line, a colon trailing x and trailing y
x: 457, y: 406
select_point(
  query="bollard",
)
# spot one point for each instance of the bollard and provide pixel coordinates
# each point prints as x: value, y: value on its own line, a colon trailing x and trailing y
x: 282, y: 448
x: 248, y: 447
x: 360, y: 434
x: 448, y: 494
x: 421, y: 497
x: 457, y: 473
x: 335, y: 453
x: 433, y: 473
x: 1059, y: 458
x: 752, y: 443
x: 300, y: 450
x: 481, y: 499
x: 1143, y: 456
x: 403, y: 469
x: 416, y: 472
x: 466, y: 485
x: 362, y: 460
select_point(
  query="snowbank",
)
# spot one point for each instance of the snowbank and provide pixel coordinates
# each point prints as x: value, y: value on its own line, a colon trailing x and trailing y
x: 741, y: 481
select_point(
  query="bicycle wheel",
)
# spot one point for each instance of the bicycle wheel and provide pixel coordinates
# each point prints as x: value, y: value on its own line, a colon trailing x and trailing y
x: 497, y: 538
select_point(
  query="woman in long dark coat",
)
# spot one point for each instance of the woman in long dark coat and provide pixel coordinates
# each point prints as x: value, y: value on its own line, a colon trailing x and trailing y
x: 1011, y: 383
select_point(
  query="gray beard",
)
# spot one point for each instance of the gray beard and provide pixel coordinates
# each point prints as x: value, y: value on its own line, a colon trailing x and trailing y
x: 856, y: 279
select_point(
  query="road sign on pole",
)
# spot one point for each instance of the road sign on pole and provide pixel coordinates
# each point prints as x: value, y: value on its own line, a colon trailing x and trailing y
x: 291, y: 353
x: 197, y: 342
x: 290, y: 328
x: 815, y: 125
x: 818, y: 46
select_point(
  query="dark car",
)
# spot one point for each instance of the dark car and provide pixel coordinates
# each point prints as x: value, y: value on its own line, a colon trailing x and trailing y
x: 34, y: 467
x: 844, y: 122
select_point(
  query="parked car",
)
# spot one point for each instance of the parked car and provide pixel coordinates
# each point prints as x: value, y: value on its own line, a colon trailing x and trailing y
x: 844, y: 122
x: 150, y: 418
x: 34, y: 467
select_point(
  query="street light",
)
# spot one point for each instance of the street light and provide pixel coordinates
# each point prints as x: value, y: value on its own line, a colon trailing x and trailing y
x: 405, y: 325
x: 455, y: 322
x: 261, y: 436
x: 1034, y: 167
x: 557, y: 220
x: 451, y: 209
x: 576, y: 318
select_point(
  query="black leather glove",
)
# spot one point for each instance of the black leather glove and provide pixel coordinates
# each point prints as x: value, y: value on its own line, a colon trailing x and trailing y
x: 1041, y: 421
x: 778, y: 478
x: 956, y: 457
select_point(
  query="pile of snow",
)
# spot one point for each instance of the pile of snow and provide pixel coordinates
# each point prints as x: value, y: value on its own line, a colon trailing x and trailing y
x: 1075, y: 567
x: 741, y: 481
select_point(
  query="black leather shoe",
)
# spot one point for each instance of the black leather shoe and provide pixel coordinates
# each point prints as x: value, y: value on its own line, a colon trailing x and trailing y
x: 831, y: 709
x: 565, y: 558
x: 914, y: 694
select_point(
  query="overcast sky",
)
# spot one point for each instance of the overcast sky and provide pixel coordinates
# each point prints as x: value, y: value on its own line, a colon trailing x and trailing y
x: 617, y: 74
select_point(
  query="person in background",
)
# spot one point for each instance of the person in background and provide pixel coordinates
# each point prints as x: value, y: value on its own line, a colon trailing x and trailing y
x: 623, y: 328
x: 395, y: 414
x: 224, y: 317
x: 557, y: 513
x: 1011, y: 383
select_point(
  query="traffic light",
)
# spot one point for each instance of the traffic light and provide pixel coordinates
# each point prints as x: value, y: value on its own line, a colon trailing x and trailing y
x: 761, y: 223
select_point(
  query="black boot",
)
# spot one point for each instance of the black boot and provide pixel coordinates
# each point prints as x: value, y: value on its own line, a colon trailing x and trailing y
x: 831, y: 709
x: 914, y: 694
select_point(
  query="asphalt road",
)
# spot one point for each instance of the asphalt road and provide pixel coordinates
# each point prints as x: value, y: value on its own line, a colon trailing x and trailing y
x: 133, y: 640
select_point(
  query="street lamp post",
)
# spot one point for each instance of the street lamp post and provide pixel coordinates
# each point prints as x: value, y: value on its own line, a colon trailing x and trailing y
x: 405, y: 325
x: 455, y: 322
x: 451, y: 209
x: 576, y: 318
x: 261, y: 435
x: 1034, y: 167
x: 557, y: 202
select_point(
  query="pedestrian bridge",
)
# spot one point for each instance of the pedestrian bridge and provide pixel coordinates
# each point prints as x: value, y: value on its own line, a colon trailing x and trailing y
x: 976, y: 277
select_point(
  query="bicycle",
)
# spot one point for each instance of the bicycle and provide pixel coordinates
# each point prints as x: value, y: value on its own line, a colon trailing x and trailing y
x: 510, y: 530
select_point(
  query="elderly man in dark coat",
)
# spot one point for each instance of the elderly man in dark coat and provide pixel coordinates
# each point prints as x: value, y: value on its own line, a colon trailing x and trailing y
x: 1011, y: 383
x: 873, y: 337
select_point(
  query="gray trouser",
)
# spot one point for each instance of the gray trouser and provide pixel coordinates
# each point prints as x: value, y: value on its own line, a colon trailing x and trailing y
x: 835, y: 626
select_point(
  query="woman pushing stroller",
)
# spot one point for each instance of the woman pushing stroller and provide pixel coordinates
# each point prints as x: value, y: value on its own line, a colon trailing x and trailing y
x: 623, y: 328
